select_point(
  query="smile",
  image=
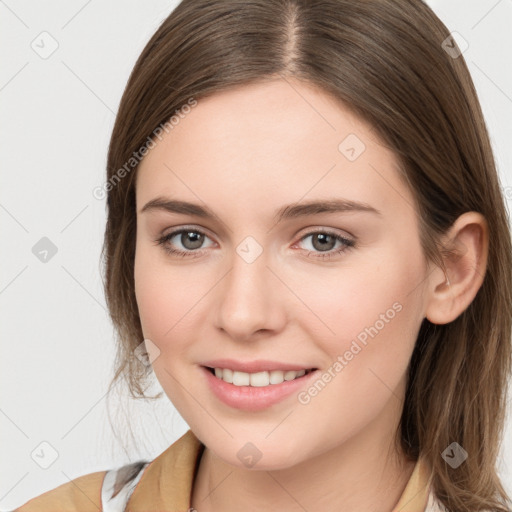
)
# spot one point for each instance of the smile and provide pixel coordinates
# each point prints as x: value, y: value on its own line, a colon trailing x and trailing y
x: 258, y: 379
x: 255, y: 391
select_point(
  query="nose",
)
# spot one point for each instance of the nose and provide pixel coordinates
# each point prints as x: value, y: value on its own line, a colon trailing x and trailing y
x: 249, y: 301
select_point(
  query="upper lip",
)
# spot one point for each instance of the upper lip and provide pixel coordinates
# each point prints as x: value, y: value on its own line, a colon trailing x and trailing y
x: 259, y: 365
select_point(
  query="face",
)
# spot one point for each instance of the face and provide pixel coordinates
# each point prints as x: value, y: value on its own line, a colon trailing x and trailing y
x: 263, y: 281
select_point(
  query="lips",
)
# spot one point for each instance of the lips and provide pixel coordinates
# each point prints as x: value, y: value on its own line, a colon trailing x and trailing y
x: 239, y: 392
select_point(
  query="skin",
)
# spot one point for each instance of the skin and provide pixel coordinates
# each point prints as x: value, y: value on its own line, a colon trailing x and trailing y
x: 244, y: 153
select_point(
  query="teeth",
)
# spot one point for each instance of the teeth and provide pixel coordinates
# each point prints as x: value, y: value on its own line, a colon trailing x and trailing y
x: 290, y: 375
x: 241, y: 378
x: 276, y: 377
x: 227, y: 375
x: 258, y: 379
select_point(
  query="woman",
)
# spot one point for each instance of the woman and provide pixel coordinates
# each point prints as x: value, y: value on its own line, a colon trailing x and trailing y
x: 253, y: 137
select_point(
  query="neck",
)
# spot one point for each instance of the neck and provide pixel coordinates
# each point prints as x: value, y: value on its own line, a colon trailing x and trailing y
x: 363, y: 474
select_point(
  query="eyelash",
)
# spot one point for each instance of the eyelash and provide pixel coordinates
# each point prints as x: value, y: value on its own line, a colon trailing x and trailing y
x: 163, y: 241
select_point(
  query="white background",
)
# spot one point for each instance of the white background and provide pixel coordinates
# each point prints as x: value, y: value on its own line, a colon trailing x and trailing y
x: 57, y: 115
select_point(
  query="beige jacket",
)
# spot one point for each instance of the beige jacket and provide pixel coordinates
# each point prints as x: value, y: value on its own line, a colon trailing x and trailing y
x: 165, y: 485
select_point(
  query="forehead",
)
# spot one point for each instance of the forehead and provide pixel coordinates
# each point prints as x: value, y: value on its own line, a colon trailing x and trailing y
x: 271, y: 143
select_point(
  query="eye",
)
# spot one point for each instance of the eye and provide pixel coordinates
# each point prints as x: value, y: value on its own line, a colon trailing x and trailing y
x: 323, y: 243
x: 190, y: 239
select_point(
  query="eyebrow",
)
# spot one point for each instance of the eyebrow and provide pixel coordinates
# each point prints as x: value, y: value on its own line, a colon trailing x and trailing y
x: 291, y: 211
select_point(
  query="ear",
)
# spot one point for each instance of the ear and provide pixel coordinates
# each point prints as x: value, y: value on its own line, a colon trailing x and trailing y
x: 465, y: 252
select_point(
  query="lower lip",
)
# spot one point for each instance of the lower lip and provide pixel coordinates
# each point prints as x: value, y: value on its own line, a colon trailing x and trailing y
x: 252, y: 398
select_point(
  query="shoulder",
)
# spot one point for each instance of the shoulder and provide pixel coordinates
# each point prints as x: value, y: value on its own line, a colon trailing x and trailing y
x: 81, y: 494
x: 104, y: 490
x: 111, y: 490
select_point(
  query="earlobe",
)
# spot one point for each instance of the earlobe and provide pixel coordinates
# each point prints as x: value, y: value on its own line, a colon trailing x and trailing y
x: 465, y: 255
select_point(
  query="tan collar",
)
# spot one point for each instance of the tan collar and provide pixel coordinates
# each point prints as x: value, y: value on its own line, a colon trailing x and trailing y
x: 416, y: 493
x: 167, y: 482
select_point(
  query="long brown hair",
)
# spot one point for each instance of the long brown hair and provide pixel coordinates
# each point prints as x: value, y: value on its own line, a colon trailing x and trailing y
x: 396, y: 66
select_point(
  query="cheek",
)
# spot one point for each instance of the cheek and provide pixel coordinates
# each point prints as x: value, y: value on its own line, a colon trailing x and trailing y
x: 363, y: 380
x: 343, y: 303
x: 160, y: 298
x: 374, y: 313
x: 166, y: 300
x: 368, y: 312
x: 170, y: 299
